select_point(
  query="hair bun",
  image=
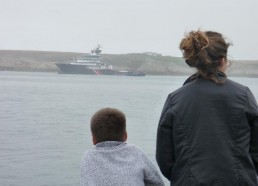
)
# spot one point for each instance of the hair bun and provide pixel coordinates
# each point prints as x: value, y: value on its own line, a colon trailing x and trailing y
x: 192, y: 45
x: 204, y: 50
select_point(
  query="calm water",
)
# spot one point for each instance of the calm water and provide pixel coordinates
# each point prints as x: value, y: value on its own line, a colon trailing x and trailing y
x: 44, y: 120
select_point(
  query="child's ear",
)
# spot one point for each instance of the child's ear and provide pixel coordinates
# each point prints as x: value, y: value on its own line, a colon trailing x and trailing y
x: 94, y: 141
x: 125, y: 136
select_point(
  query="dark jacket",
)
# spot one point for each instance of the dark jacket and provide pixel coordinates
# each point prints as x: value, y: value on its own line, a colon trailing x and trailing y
x: 208, y: 135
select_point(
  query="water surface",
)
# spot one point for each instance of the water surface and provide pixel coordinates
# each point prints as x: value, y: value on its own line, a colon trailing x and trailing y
x: 44, y: 120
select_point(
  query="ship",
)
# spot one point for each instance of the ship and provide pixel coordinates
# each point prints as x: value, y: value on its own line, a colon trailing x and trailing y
x: 93, y: 64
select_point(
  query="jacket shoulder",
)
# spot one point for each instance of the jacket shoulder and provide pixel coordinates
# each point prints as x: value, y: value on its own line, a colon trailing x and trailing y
x: 236, y: 85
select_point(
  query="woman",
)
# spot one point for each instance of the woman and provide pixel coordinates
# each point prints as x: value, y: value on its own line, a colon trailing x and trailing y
x: 208, y: 130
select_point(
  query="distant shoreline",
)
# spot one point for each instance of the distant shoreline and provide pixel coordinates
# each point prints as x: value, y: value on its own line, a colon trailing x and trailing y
x: 44, y: 61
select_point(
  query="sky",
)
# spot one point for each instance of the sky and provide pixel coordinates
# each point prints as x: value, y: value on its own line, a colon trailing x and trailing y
x: 126, y: 26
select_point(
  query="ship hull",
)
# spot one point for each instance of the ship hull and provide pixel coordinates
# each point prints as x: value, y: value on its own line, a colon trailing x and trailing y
x: 82, y: 69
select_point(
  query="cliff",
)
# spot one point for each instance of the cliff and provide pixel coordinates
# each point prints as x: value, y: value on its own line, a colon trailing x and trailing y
x: 149, y: 63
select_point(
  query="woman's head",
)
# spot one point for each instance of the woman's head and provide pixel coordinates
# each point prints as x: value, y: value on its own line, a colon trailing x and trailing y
x: 108, y: 124
x: 205, y: 51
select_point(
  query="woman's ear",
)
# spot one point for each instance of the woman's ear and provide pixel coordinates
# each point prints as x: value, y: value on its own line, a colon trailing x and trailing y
x: 222, y: 61
x: 222, y: 65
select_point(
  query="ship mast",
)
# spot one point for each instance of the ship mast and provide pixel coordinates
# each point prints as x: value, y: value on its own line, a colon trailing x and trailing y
x: 96, y: 50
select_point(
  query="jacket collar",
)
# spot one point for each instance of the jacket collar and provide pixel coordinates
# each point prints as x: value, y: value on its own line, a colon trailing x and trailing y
x: 197, y: 76
x: 109, y: 144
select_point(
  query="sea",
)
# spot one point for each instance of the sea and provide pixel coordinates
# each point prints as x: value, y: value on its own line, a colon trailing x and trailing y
x: 45, y: 117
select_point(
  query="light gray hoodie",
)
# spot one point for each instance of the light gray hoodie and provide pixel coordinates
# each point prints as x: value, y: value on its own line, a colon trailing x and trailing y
x: 113, y: 163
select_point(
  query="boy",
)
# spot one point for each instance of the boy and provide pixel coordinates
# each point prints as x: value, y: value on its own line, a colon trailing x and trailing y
x: 112, y: 162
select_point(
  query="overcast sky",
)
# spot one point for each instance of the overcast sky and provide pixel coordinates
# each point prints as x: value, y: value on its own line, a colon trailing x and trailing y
x: 126, y: 26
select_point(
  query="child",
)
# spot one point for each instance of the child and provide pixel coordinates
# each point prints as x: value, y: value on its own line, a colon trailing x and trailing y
x: 112, y: 161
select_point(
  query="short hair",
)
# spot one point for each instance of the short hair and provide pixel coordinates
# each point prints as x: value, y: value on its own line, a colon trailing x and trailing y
x: 108, y: 124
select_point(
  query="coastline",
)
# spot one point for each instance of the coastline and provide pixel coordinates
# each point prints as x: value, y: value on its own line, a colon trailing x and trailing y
x: 44, y: 61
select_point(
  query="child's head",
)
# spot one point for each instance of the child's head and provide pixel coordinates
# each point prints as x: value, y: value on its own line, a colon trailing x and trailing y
x: 108, y: 124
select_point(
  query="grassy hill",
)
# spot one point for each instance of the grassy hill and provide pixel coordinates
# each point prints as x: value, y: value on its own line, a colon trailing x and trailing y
x: 44, y: 61
x: 154, y: 65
